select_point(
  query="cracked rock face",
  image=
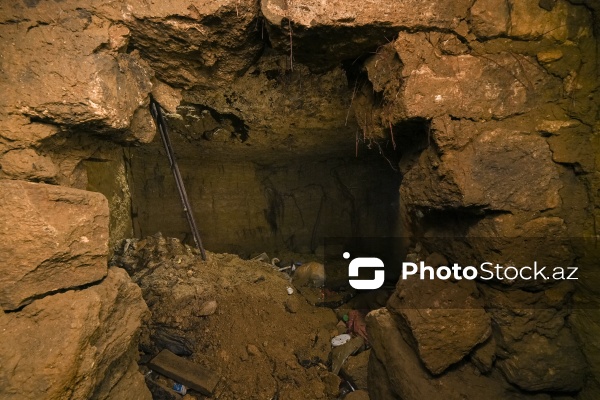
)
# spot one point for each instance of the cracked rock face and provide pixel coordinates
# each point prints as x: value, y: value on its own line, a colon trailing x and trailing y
x: 60, y: 347
x: 53, y: 238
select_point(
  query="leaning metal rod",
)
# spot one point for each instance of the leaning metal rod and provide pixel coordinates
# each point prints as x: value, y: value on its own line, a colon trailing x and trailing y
x: 156, y: 111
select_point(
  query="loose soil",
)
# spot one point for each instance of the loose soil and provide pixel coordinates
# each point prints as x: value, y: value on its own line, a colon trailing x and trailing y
x: 262, y: 341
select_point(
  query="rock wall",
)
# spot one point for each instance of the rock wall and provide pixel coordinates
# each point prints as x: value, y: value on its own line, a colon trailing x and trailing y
x: 246, y: 208
x: 507, y: 93
x: 71, y: 325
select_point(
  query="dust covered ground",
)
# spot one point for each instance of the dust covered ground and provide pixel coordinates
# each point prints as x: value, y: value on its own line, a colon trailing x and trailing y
x: 234, y: 317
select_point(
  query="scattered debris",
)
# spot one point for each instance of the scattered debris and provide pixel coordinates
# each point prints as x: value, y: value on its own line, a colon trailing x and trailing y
x: 340, y: 339
x: 356, y: 324
x: 180, y: 388
x: 187, y: 372
x: 207, y: 308
x: 340, y: 354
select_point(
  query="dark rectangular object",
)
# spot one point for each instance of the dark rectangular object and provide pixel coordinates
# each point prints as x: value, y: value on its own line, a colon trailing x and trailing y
x: 183, y: 371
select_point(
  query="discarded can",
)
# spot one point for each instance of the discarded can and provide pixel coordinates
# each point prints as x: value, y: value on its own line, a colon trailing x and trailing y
x: 340, y: 339
x: 290, y: 290
x: 179, y: 388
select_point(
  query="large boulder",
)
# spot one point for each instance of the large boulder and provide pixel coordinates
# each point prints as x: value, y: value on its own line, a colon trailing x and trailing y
x: 499, y: 169
x: 68, y: 66
x: 395, y: 362
x: 444, y: 320
x: 52, y: 238
x: 80, y: 344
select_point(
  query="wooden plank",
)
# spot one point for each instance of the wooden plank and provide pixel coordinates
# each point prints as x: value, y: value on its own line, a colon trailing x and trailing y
x: 184, y: 371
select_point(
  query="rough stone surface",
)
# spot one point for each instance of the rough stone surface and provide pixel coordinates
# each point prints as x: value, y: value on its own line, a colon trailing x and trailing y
x: 67, y: 73
x: 393, y: 358
x: 73, y: 57
x: 539, y: 352
x: 499, y: 169
x: 565, y: 21
x: 550, y: 364
x: 446, y: 320
x: 487, y: 108
x: 356, y: 369
x: 53, y: 238
x: 490, y: 18
x: 201, y: 43
x: 484, y: 356
x: 29, y: 165
x: 75, y: 345
x: 467, y: 85
x: 348, y: 29
x: 273, y: 110
x: 357, y: 395
x: 379, y: 383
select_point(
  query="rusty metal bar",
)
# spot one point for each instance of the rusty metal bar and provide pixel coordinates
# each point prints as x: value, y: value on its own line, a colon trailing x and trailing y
x: 157, y: 114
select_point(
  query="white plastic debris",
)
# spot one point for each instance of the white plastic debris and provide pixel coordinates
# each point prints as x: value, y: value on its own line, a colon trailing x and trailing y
x: 290, y: 290
x: 340, y: 339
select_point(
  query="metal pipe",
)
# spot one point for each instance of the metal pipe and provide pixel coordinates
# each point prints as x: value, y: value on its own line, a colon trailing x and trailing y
x: 157, y: 114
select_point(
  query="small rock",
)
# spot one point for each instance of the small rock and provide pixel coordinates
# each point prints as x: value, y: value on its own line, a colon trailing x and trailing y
x: 311, y: 274
x: 207, y: 308
x: 356, y: 369
x: 549, y: 56
x: 292, y: 304
x: 252, y: 350
x: 223, y: 283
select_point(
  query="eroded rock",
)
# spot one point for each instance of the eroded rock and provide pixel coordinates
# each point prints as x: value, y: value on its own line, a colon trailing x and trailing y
x: 352, y: 27
x: 541, y: 363
x: 393, y: 358
x: 53, y: 238
x: 538, y: 352
x: 202, y: 43
x: 29, y: 165
x: 77, y: 344
x: 445, y: 320
x: 65, y: 72
x: 356, y: 369
x: 564, y: 21
x: 499, y: 169
x: 490, y: 18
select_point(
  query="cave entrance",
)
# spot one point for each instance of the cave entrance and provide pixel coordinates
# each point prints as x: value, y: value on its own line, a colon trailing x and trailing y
x: 250, y: 198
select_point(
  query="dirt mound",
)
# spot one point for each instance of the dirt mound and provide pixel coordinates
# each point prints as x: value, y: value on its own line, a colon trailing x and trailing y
x: 262, y: 341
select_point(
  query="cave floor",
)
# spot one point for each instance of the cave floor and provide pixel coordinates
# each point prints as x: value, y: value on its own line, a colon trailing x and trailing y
x: 237, y: 319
